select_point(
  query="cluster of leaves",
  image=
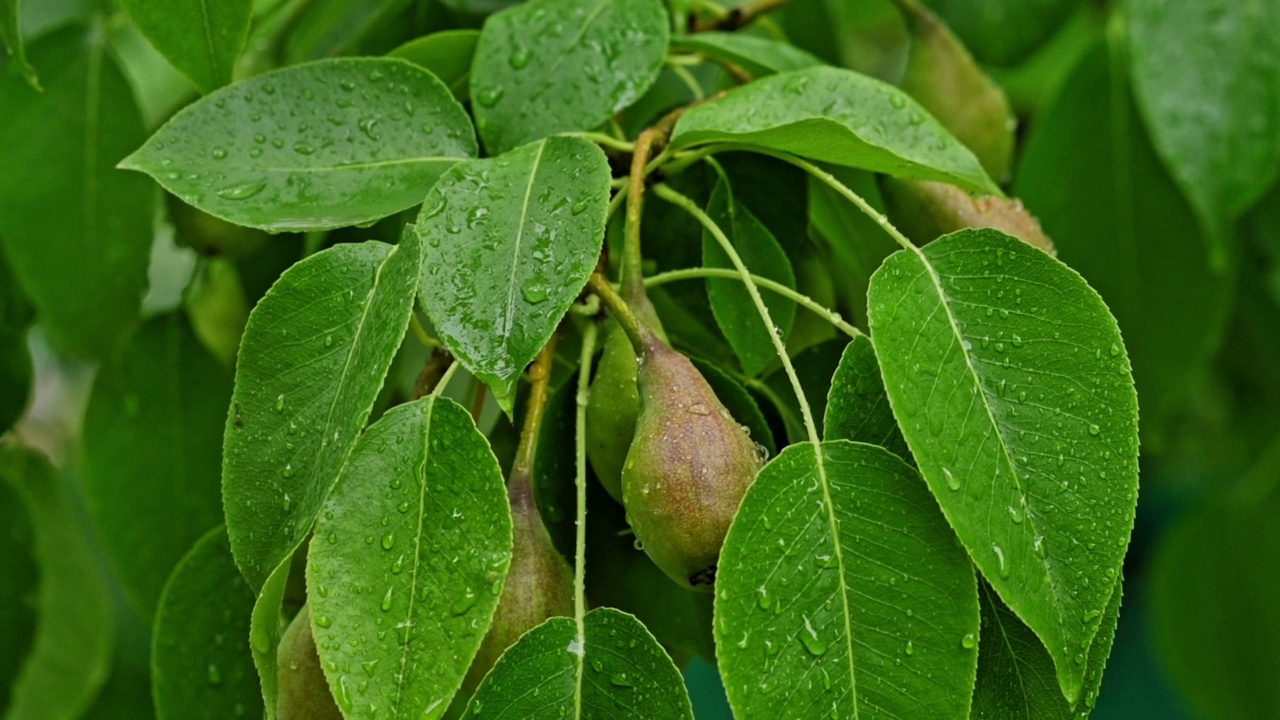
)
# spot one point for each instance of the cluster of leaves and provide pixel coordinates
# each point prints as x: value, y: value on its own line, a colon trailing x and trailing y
x: 312, y: 527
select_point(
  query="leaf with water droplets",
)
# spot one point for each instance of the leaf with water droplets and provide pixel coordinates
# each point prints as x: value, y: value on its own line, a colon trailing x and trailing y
x: 201, y: 39
x: 168, y: 393
x: 299, y: 403
x: 616, y: 672
x: 397, y: 620
x: 840, y: 117
x: 551, y: 66
x: 312, y: 147
x: 842, y: 592
x: 857, y: 407
x: 201, y: 667
x: 510, y: 242
x: 447, y: 54
x: 1011, y: 386
x: 757, y: 55
x: 1016, y: 678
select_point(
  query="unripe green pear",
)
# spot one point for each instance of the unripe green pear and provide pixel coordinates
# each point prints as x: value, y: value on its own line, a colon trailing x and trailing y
x: 925, y: 210
x: 304, y: 693
x: 539, y: 582
x: 689, y: 466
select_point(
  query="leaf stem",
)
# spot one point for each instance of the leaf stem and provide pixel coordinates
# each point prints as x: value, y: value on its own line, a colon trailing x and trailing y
x: 444, y: 380
x: 580, y: 483
x: 632, y: 272
x: 540, y: 389
x: 689, y: 206
x: 602, y: 139
x: 620, y: 310
x: 799, y: 298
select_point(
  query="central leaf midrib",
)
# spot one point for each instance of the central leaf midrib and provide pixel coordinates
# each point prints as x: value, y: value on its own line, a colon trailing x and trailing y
x: 401, y: 680
x: 839, y: 555
x: 515, y: 254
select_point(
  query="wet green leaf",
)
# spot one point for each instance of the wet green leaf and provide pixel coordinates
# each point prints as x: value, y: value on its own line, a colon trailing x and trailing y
x: 314, y: 146
x: 1012, y: 388
x: 840, y: 117
x: 408, y: 561
x: 1138, y: 245
x: 70, y: 655
x: 758, y: 56
x: 201, y: 667
x: 77, y: 231
x: 760, y: 252
x: 447, y: 54
x: 551, y: 66
x: 617, y: 672
x: 202, y: 40
x: 857, y: 407
x: 1206, y: 76
x: 510, y: 242
x: 842, y: 592
x: 168, y: 393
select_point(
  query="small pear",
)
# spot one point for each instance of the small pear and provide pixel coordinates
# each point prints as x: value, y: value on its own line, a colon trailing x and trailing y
x: 539, y: 583
x: 304, y: 692
x: 689, y: 466
x: 925, y: 210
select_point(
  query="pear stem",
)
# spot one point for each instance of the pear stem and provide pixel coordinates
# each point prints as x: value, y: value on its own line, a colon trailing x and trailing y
x: 632, y: 272
x: 580, y: 482
x: 620, y: 310
x: 540, y: 390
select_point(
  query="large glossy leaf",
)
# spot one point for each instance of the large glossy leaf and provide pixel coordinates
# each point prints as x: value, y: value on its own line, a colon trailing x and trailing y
x: 77, y: 231
x: 510, y: 242
x: 857, y: 406
x: 314, y: 146
x: 447, y: 54
x: 71, y: 651
x: 1012, y: 388
x: 408, y: 562
x: 16, y: 315
x: 842, y: 592
x: 1206, y: 75
x: 167, y: 393
x: 11, y: 36
x: 758, y: 56
x: 1138, y: 244
x: 1016, y: 679
x: 549, y: 66
x: 616, y: 672
x: 201, y: 668
x: 21, y: 571
x: 730, y: 301
x: 201, y: 39
x: 836, y: 116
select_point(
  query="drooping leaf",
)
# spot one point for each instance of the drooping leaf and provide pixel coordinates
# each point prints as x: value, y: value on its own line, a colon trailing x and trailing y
x: 857, y: 407
x: 1011, y: 385
x: 1138, y: 244
x: 336, y: 27
x: 311, y: 147
x: 1206, y: 76
x: 77, y: 231
x: 1004, y: 32
x: 167, y: 393
x: 19, y: 566
x: 16, y: 315
x: 840, y: 117
x: 408, y: 561
x: 70, y: 654
x: 1016, y: 679
x: 550, y: 66
x: 202, y: 40
x: 760, y: 252
x: 616, y: 672
x: 201, y: 667
x: 447, y: 54
x: 758, y: 56
x: 856, y: 244
x: 841, y: 592
x: 510, y: 243
x: 11, y: 36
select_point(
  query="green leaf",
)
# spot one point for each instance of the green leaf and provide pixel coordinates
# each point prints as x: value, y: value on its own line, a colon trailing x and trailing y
x: 758, y: 56
x: 71, y: 653
x: 11, y: 36
x: 1016, y: 679
x: 1012, y: 388
x: 202, y: 40
x: 21, y: 571
x: 856, y: 244
x: 511, y: 241
x: 857, y: 406
x: 448, y: 55
x: 201, y: 667
x: 77, y: 232
x: 550, y: 66
x: 167, y: 393
x: 842, y: 592
x: 408, y: 561
x: 730, y: 301
x: 816, y: 365
x: 16, y: 315
x: 1138, y: 244
x: 1005, y: 32
x: 312, y: 147
x: 616, y: 672
x: 836, y: 116
x: 1206, y: 75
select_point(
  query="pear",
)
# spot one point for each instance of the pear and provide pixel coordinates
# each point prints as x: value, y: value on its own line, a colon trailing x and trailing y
x: 689, y: 466
x: 925, y: 210
x: 304, y: 692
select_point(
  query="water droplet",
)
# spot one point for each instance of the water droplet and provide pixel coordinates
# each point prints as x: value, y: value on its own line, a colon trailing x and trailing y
x: 464, y: 603
x: 324, y: 621
x: 620, y: 680
x: 242, y: 191
x: 288, y: 470
x: 219, y: 153
x: 1004, y: 567
x: 388, y: 541
x: 520, y: 57
x: 968, y: 642
x: 809, y: 637
x: 763, y: 598
x: 303, y: 148
x: 287, y: 503
x: 1094, y: 430
x: 489, y: 97
x: 534, y: 293
x: 214, y: 675
x: 280, y: 403
x: 897, y: 101
x: 386, y: 601
x: 952, y: 482
x: 910, y: 649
